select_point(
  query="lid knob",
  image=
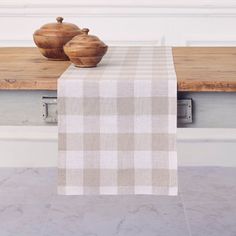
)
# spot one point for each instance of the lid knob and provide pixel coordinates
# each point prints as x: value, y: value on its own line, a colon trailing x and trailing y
x: 59, y: 19
x: 85, y: 31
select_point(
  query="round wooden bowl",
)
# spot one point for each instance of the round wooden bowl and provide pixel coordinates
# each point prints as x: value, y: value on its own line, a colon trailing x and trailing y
x: 51, y: 38
x: 85, y: 50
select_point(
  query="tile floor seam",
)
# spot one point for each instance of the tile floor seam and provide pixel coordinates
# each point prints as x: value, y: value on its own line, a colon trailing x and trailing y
x: 44, y: 226
x: 206, y: 207
x: 186, y: 216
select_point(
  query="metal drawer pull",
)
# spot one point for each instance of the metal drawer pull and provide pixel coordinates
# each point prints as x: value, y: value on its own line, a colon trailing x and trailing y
x: 184, y: 110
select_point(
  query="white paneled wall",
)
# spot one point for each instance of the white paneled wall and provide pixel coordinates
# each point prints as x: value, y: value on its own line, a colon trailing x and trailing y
x: 160, y: 22
x: 166, y: 22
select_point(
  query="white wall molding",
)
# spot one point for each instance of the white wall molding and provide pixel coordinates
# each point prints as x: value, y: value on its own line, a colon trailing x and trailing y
x: 161, y: 42
x: 14, y: 9
x: 36, y: 146
x: 139, y: 22
x: 30, y: 43
x: 206, y: 135
x: 49, y: 133
x: 28, y: 133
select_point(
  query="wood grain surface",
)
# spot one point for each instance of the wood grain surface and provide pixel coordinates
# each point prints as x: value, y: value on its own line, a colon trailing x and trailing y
x: 199, y: 69
x: 205, y: 69
x: 26, y: 68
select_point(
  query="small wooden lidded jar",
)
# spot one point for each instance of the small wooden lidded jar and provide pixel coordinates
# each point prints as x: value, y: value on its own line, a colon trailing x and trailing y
x: 51, y: 38
x: 85, y: 50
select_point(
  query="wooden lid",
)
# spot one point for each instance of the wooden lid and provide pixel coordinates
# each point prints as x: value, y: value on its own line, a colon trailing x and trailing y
x: 59, y: 28
x: 85, y: 40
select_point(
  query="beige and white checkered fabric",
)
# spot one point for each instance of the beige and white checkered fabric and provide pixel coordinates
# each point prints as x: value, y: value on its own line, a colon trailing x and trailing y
x: 117, y: 125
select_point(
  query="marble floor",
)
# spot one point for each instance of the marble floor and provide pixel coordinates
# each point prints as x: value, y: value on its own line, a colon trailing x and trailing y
x: 206, y: 206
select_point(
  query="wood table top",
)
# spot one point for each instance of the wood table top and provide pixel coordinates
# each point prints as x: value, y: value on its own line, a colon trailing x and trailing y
x: 198, y: 69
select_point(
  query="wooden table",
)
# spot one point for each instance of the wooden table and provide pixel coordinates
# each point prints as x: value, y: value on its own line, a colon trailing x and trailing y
x: 199, y: 69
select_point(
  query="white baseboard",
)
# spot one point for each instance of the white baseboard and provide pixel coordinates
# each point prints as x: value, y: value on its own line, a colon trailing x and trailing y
x: 28, y: 146
x: 36, y: 146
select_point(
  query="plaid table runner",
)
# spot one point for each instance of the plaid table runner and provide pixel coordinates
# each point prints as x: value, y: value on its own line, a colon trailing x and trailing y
x: 117, y: 124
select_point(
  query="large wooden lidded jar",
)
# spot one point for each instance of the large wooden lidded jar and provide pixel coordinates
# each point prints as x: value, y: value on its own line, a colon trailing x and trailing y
x: 85, y: 50
x: 51, y: 38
